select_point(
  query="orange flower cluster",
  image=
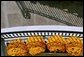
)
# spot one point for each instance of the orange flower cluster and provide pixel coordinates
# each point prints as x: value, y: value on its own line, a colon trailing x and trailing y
x: 36, y: 44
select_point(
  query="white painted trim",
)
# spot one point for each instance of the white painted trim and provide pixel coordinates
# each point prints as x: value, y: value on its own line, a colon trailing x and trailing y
x: 43, y: 27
